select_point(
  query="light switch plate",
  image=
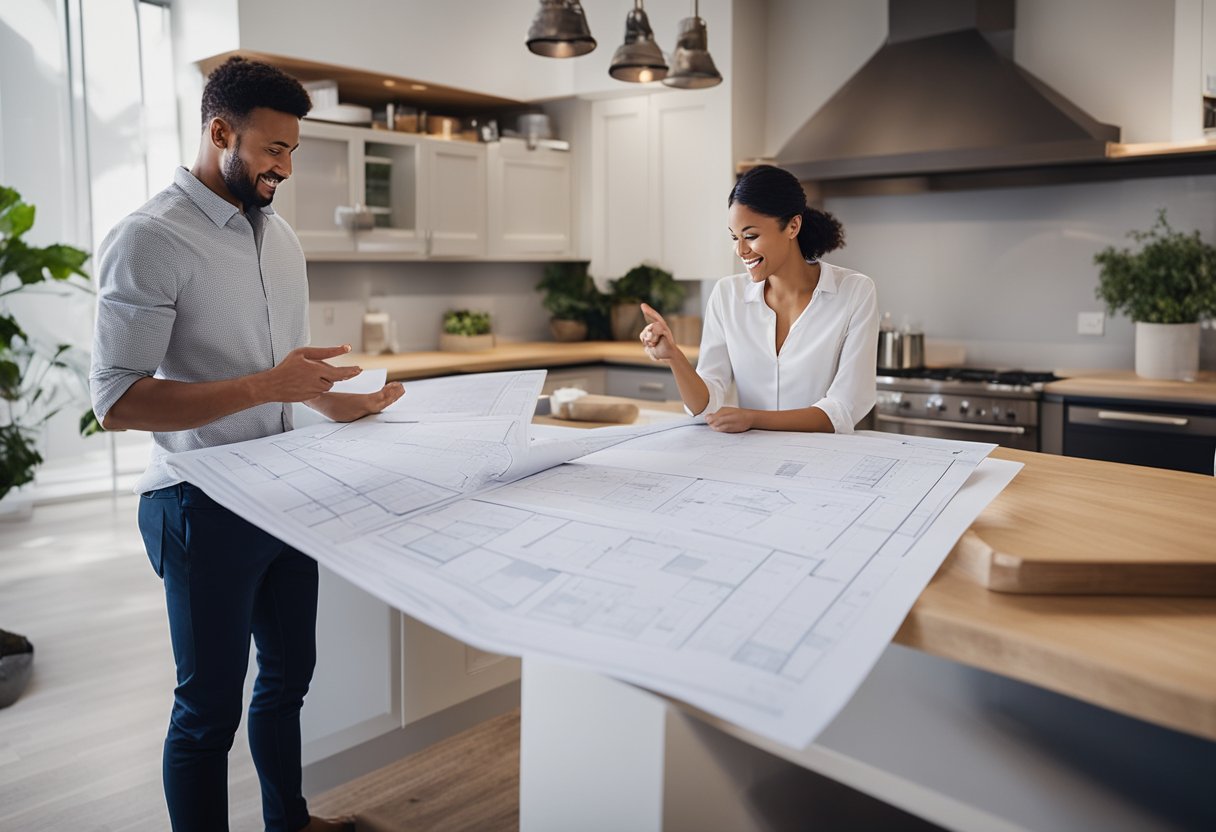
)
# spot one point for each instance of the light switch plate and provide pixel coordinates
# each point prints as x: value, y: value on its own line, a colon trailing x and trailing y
x: 1091, y: 323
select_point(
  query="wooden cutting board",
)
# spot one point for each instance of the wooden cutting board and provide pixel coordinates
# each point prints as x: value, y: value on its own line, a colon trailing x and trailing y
x: 1158, y: 535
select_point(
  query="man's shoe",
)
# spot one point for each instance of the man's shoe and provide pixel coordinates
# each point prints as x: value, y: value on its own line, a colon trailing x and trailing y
x: 342, y: 824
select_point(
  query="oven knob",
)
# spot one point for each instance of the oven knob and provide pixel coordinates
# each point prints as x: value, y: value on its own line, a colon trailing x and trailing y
x: 905, y: 405
x: 996, y: 413
x: 1009, y: 414
x: 982, y: 412
x: 935, y: 403
x: 964, y: 406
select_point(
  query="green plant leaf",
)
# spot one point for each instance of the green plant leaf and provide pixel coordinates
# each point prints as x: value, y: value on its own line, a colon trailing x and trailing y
x: 17, y: 220
x: 90, y: 424
x: 18, y: 458
x: 10, y: 330
x: 10, y: 380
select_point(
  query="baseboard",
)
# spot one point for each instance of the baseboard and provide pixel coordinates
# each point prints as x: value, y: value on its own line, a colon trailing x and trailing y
x: 326, y: 773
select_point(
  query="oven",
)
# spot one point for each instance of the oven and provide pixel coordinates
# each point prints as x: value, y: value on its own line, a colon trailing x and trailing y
x: 971, y: 404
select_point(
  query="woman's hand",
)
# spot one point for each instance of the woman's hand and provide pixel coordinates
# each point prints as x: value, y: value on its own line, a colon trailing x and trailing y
x: 660, y: 344
x: 731, y: 419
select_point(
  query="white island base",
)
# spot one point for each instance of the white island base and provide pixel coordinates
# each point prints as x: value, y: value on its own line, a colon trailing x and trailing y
x: 930, y: 738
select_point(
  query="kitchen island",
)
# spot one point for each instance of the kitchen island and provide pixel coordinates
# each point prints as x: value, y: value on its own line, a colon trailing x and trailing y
x: 991, y: 711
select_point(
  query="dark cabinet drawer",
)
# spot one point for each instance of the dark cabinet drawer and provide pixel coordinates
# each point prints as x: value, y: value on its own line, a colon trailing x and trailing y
x: 656, y: 385
x: 1141, y: 433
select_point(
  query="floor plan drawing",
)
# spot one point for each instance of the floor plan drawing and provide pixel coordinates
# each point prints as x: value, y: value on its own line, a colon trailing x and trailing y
x: 755, y: 575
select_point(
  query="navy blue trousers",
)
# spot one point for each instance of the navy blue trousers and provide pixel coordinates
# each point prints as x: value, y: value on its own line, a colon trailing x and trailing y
x: 225, y: 581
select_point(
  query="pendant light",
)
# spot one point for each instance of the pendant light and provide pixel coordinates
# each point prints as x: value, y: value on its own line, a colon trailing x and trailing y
x: 560, y: 30
x: 691, y: 65
x: 639, y: 58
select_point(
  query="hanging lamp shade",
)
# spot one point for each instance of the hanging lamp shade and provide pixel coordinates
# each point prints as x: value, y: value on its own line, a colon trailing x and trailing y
x: 560, y: 30
x: 691, y: 65
x: 639, y: 58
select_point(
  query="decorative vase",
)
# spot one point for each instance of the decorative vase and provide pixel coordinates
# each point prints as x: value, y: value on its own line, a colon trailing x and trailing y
x: 465, y: 343
x: 566, y: 330
x: 1167, y: 351
x: 627, y: 321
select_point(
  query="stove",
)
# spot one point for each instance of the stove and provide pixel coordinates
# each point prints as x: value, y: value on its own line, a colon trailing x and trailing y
x: 969, y: 403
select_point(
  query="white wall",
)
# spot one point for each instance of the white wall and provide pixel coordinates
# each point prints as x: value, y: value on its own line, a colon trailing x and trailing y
x: 417, y: 294
x: 814, y: 46
x: 1005, y: 272
x: 1112, y: 58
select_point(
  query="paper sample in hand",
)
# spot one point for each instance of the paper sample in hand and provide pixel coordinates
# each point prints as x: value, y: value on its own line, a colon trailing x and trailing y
x: 368, y: 381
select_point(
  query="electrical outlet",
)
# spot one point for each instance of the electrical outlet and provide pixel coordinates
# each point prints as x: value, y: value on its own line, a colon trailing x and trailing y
x: 1091, y: 323
x: 327, y: 314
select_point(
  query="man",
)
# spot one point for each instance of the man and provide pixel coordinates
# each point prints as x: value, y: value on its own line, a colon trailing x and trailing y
x: 202, y: 326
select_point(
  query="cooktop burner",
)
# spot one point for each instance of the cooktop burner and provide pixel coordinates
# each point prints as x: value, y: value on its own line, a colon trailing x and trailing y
x: 1017, y: 378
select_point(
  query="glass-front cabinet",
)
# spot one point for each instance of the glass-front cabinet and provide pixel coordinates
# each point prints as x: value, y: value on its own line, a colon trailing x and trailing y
x: 369, y: 194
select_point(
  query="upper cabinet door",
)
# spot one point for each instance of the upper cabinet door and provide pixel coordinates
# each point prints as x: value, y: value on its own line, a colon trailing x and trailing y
x: 455, y: 210
x: 660, y: 174
x: 691, y: 175
x: 529, y: 201
x: 318, y: 199
x: 390, y: 183
x: 623, y: 228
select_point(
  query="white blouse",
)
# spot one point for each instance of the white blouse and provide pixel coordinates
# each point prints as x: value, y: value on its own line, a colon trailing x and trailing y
x: 828, y: 359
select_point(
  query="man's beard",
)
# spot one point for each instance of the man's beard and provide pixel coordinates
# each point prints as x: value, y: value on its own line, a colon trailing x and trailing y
x: 240, y: 183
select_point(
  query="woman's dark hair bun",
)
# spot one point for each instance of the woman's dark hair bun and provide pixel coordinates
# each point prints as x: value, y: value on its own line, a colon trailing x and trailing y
x: 774, y: 192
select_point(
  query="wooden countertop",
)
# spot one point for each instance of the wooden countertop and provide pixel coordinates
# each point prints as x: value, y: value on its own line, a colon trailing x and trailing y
x: 1153, y: 658
x: 1125, y: 384
x: 522, y: 356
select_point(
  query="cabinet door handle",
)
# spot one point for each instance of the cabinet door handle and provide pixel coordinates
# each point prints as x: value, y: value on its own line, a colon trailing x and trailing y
x: 354, y: 218
x: 429, y: 237
x: 1144, y: 418
x: 652, y: 387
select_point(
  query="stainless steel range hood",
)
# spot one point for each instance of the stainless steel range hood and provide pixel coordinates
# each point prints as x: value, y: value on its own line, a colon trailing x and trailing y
x: 943, y: 95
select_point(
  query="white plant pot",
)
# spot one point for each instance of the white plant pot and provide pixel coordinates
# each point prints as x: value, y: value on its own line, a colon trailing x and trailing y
x: 1167, y: 351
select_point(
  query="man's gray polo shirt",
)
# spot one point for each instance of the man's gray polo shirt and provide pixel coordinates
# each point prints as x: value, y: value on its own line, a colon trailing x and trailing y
x: 194, y: 290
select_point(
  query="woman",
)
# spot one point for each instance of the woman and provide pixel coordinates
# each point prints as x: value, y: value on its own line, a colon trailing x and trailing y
x: 797, y: 336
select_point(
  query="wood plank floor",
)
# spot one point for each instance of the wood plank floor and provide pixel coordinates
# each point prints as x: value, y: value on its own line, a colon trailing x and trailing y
x: 81, y: 749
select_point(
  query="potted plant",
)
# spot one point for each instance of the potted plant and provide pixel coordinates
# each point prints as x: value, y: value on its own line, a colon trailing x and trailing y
x: 31, y: 383
x: 465, y: 330
x: 572, y: 300
x: 642, y: 284
x: 1166, y: 288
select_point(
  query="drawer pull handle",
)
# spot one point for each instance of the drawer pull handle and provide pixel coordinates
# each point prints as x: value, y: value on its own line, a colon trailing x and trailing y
x: 1017, y: 430
x: 1148, y: 418
x: 651, y: 387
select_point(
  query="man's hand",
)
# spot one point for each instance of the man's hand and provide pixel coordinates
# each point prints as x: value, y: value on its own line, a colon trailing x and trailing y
x: 304, y: 375
x: 347, y: 407
x: 660, y: 344
x: 731, y: 420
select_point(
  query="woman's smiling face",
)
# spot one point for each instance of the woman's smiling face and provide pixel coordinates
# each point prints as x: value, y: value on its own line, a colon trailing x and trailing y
x: 760, y: 241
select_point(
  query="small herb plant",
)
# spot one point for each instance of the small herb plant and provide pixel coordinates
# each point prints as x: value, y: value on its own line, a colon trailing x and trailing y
x: 466, y: 322
x: 33, y: 376
x: 648, y: 284
x: 570, y: 293
x: 1170, y: 280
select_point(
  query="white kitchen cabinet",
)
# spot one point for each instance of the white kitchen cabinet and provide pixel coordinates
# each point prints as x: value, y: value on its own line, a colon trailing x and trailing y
x: 455, y: 198
x: 359, y: 193
x: 530, y: 198
x: 661, y: 170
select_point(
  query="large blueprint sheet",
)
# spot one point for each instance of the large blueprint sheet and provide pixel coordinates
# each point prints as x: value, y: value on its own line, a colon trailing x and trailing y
x: 757, y: 576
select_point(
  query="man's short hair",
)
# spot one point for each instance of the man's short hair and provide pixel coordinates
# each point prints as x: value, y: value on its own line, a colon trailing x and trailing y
x: 238, y: 86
